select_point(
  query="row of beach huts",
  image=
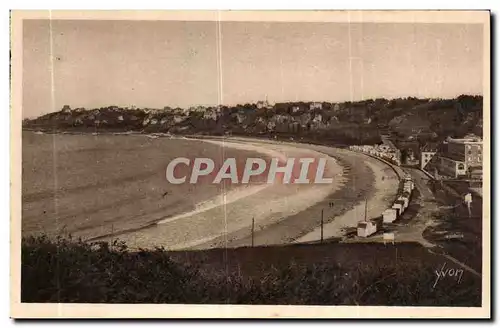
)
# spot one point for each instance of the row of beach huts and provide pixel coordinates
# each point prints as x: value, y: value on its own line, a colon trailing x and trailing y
x: 370, y: 227
x: 387, y: 153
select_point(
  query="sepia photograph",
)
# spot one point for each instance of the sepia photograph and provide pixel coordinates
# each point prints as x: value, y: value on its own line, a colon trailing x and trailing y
x: 250, y: 164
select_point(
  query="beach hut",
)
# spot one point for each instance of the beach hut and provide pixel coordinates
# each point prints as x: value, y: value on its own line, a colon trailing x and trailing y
x: 407, y: 188
x: 398, y: 207
x: 405, y: 201
x: 379, y: 222
x: 410, y: 184
x: 402, y: 203
x: 390, y: 215
x: 388, y: 237
x: 366, y: 228
x: 406, y: 194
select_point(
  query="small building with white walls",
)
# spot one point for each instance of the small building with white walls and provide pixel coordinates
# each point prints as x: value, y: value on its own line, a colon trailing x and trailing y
x: 409, y: 184
x: 402, y: 203
x: 390, y: 215
x: 405, y: 201
x: 366, y: 228
x: 398, y: 207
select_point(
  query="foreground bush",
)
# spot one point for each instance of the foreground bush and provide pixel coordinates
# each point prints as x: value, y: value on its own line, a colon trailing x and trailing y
x: 74, y: 271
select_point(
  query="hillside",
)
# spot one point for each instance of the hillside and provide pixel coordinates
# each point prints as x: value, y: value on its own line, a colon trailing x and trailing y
x: 344, y: 123
x: 71, y: 271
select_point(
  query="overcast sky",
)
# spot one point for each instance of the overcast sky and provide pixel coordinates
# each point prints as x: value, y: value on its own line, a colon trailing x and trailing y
x: 168, y: 63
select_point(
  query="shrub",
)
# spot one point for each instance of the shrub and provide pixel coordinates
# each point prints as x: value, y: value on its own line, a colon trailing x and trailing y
x: 66, y: 270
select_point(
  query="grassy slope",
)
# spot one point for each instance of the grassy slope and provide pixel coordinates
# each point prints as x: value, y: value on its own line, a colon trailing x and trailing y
x: 331, y: 274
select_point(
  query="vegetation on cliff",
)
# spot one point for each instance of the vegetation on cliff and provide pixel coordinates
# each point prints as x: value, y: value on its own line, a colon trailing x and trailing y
x: 361, y: 122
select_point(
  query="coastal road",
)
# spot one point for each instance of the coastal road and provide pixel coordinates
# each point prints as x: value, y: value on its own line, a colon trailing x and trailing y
x: 422, y: 183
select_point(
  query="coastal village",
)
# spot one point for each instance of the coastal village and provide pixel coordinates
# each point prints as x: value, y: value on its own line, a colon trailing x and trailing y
x: 418, y: 122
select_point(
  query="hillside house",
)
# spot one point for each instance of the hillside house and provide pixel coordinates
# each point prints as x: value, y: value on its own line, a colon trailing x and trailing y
x: 263, y: 104
x: 210, y: 115
x: 240, y: 117
x: 279, y: 118
x: 271, y: 126
x: 179, y: 118
x: 315, y: 106
x: 318, y: 118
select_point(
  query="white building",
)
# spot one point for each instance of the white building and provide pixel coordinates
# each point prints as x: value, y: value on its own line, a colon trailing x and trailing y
x: 460, y: 157
x: 366, y: 228
x: 179, y: 118
x: 315, y: 105
x: 390, y: 215
x: 210, y: 115
x: 425, y: 158
x: 408, y: 186
x: 398, y: 207
x: 318, y: 118
x: 405, y: 201
x: 263, y: 104
x: 271, y: 125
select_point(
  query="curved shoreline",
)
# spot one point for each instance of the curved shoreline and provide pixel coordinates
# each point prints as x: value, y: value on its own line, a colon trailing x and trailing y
x: 359, y: 183
x: 214, y: 224
x: 294, y: 213
x: 293, y: 227
x: 234, y: 194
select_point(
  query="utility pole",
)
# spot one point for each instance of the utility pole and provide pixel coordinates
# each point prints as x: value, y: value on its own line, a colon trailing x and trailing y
x: 253, y: 228
x: 366, y: 208
x: 322, y: 226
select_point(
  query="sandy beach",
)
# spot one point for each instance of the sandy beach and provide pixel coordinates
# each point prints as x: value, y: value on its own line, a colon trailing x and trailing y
x: 385, y: 190
x: 220, y: 222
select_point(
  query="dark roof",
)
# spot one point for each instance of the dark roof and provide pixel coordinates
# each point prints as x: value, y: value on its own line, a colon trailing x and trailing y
x: 430, y: 147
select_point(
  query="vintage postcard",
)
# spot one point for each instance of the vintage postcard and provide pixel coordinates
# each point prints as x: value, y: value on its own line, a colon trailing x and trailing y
x: 250, y: 164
